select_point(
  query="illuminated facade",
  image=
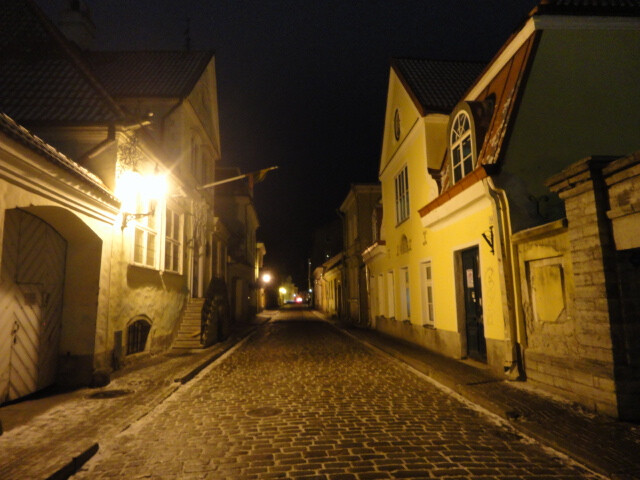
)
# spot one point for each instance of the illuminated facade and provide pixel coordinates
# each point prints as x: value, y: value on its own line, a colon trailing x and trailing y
x: 120, y: 211
x: 490, y: 269
x: 404, y: 256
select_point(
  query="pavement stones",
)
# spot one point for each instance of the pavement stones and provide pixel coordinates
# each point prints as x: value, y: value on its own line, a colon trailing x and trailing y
x: 41, y: 438
x: 299, y: 399
x: 604, y: 444
x: 49, y: 438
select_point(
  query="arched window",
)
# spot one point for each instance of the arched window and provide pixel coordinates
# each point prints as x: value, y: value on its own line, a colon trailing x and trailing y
x: 137, y: 334
x: 461, y: 146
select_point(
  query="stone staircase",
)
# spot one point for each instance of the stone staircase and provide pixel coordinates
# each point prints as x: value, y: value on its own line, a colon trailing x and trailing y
x: 188, y: 337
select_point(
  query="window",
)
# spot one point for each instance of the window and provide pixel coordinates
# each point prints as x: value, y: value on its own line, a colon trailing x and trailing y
x: 402, y: 195
x: 406, y: 293
x: 137, y: 334
x: 173, y: 241
x: 391, y: 298
x: 427, y: 293
x: 381, y: 295
x: 146, y: 235
x: 461, y: 146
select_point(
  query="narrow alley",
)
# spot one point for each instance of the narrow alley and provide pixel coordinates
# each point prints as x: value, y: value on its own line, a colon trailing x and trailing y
x: 300, y: 399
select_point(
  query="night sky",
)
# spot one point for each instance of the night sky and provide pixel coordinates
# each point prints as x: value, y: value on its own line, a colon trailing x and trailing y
x: 302, y: 85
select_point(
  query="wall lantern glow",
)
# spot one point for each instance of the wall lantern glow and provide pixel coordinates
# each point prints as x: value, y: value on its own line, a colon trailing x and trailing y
x: 266, y: 277
x: 282, y: 290
x: 133, y: 187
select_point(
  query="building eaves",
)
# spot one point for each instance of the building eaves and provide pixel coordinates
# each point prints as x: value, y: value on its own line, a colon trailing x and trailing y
x: 436, y: 86
x: 171, y: 74
x: 17, y: 132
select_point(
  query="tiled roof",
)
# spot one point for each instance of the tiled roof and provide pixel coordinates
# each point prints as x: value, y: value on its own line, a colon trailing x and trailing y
x: 22, y: 135
x: 589, y: 7
x: 149, y: 73
x: 42, y: 77
x: 436, y: 85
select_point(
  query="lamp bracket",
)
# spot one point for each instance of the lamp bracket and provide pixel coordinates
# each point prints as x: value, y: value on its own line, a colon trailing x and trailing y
x: 489, y: 239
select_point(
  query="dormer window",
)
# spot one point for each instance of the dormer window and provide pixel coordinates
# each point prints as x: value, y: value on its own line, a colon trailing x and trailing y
x: 461, y: 146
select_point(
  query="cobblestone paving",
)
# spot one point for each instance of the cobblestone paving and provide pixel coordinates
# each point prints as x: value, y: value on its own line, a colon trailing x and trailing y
x: 301, y: 400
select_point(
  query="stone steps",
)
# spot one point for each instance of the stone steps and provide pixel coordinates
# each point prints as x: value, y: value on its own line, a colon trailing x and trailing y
x: 188, y: 337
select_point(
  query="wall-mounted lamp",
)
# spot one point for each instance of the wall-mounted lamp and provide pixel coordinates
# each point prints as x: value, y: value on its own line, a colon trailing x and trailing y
x: 132, y: 187
x: 127, y: 217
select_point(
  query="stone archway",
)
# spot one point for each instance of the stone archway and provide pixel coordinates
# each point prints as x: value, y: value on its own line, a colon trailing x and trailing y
x: 83, y: 268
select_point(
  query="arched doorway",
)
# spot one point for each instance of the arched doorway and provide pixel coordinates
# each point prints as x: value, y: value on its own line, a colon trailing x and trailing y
x: 32, y: 279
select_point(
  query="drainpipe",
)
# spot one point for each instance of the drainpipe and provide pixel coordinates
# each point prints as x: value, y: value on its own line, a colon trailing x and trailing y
x: 514, y: 367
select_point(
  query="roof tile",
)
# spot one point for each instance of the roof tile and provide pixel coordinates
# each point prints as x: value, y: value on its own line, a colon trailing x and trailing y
x: 41, y: 78
x: 437, y: 85
x: 149, y: 73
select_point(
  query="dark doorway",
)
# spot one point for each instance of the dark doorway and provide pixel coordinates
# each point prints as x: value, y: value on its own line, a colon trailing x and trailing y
x: 476, y: 343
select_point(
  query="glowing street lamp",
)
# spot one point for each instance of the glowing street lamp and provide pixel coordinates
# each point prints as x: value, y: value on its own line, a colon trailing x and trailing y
x: 132, y: 187
x: 266, y: 277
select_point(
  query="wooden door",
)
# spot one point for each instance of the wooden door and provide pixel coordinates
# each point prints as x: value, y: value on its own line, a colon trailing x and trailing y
x: 32, y: 278
x: 474, y: 323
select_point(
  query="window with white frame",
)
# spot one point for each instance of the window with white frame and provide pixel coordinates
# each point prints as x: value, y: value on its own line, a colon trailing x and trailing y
x: 145, y: 246
x: 461, y: 146
x: 427, y: 293
x: 381, y: 295
x: 173, y: 241
x: 391, y: 296
x: 402, y: 195
x: 406, y: 293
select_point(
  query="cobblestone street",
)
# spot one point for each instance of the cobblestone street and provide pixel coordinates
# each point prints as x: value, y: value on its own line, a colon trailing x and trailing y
x: 299, y: 399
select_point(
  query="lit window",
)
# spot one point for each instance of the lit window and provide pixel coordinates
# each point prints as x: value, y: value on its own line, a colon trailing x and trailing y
x: 461, y: 147
x: 427, y: 294
x: 402, y: 195
x: 146, y: 236
x: 172, y: 242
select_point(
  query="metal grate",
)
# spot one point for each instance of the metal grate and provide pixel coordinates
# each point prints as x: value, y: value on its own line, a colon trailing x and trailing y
x: 137, y: 334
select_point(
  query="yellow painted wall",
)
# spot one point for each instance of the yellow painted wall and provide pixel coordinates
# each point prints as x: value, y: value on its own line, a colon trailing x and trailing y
x: 443, y: 243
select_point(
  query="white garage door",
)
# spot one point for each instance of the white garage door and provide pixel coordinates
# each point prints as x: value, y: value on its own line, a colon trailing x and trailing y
x: 32, y: 282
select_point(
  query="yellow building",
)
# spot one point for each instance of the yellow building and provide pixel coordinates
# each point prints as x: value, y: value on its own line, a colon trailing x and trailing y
x: 402, y: 263
x: 490, y: 269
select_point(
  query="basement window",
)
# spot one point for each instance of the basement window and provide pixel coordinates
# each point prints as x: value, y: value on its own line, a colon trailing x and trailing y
x: 137, y: 334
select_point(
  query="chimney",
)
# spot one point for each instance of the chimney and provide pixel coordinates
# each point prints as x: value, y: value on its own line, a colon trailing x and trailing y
x: 75, y: 22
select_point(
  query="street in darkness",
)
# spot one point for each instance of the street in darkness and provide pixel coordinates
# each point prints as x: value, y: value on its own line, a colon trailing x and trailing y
x: 300, y: 399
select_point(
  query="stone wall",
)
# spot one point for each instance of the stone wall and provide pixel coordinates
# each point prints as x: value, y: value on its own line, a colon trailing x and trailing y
x: 557, y: 348
x: 622, y: 177
x: 594, y: 364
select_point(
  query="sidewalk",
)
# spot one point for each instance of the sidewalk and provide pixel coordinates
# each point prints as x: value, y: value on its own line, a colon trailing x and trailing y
x: 604, y: 444
x: 74, y: 423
